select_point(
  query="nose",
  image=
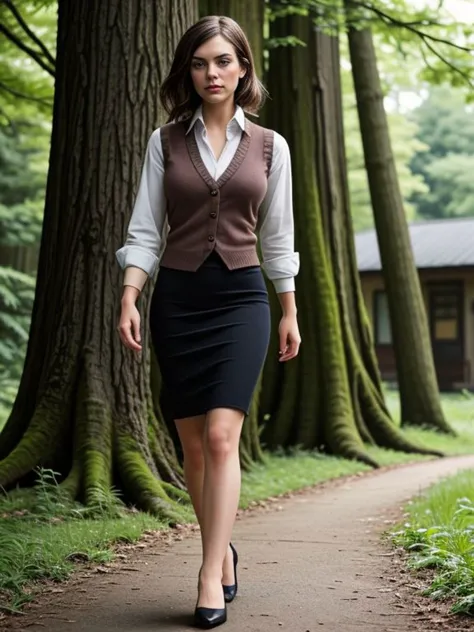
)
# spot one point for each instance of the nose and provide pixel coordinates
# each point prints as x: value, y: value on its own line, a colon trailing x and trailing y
x: 211, y: 71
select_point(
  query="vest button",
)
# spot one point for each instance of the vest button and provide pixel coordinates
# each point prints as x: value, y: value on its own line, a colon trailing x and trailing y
x: 213, y: 215
x: 211, y: 238
x: 213, y: 191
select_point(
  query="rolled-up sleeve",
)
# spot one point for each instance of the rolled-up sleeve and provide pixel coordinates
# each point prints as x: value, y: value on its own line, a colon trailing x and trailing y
x: 276, y: 222
x: 145, y: 238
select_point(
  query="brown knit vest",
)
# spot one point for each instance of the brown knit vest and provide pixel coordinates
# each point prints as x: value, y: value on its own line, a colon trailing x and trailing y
x: 205, y: 214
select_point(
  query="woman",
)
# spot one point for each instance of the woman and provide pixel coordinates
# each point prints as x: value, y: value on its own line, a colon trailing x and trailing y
x: 212, y: 179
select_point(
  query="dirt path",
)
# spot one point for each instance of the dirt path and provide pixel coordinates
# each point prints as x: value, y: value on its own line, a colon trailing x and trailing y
x: 312, y: 562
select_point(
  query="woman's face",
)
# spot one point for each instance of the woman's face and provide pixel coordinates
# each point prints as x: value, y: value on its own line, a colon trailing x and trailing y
x: 215, y: 70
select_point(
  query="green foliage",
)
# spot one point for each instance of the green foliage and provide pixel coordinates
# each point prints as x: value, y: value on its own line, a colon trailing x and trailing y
x: 23, y: 165
x: 43, y: 534
x: 17, y: 180
x: 290, y: 40
x: 22, y: 181
x: 427, y: 38
x: 446, y: 126
x: 21, y: 211
x: 16, y: 301
x: 439, y: 536
x: 26, y: 98
x: 27, y: 53
x: 452, y: 184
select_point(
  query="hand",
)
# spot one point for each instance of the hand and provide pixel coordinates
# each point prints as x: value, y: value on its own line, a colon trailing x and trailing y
x: 129, y: 326
x: 290, y: 338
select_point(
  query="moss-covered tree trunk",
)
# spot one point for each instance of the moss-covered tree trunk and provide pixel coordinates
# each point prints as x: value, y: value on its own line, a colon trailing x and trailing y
x: 419, y: 394
x: 249, y: 14
x: 330, y: 397
x: 84, y: 406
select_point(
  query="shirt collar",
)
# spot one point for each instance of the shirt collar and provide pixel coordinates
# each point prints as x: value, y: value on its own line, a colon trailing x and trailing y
x: 239, y: 118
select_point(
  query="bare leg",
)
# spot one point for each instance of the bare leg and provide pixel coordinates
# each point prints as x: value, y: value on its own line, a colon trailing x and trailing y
x: 220, y: 499
x: 191, y: 436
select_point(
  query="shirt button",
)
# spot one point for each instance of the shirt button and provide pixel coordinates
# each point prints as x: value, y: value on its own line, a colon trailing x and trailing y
x: 213, y: 215
x: 213, y: 191
x: 211, y: 238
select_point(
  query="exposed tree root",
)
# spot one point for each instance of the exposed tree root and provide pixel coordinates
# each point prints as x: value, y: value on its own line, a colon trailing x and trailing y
x: 37, y: 444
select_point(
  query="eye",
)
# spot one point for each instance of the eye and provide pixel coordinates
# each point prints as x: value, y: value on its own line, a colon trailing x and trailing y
x: 197, y: 64
x: 224, y: 62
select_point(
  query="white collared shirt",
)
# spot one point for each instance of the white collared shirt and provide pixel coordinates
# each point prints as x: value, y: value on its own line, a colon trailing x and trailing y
x: 146, y: 231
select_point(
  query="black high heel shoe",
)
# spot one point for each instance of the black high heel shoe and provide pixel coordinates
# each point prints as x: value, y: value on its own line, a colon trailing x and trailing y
x: 208, y: 618
x: 231, y: 591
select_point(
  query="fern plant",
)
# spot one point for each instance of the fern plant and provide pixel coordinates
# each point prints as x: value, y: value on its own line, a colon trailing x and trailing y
x: 16, y: 301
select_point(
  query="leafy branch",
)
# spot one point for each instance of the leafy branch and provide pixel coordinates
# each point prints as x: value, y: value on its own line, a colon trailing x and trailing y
x: 42, y: 56
x: 450, y: 65
x: 9, y: 4
x: 26, y: 49
x: 27, y: 97
x: 411, y: 26
x: 330, y: 16
x: 427, y: 39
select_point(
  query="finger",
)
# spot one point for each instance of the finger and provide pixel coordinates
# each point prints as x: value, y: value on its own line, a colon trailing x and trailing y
x: 294, y: 348
x: 291, y: 352
x: 127, y: 338
x: 283, y: 343
x: 136, y: 329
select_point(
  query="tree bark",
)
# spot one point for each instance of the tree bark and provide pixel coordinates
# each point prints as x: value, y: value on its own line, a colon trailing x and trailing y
x: 419, y: 394
x: 84, y: 406
x: 330, y: 396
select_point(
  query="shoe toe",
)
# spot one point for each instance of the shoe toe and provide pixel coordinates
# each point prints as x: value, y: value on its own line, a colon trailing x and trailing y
x: 207, y: 618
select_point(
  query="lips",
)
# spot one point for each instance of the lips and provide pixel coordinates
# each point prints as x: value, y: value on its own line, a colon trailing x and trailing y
x: 214, y: 88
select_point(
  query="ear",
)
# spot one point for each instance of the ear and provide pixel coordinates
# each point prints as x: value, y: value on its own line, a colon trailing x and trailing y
x: 243, y: 72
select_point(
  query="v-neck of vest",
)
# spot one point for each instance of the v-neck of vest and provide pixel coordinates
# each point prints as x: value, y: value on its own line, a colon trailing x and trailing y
x: 234, y: 164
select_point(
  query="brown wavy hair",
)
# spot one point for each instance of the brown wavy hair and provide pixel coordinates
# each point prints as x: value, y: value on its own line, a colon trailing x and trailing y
x: 177, y: 93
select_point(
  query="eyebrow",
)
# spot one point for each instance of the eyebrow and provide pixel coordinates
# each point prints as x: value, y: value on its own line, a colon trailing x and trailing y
x: 216, y: 57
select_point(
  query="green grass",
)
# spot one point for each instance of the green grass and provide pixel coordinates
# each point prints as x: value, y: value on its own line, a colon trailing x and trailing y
x: 42, y: 536
x: 439, y: 535
x: 459, y: 411
x: 33, y: 551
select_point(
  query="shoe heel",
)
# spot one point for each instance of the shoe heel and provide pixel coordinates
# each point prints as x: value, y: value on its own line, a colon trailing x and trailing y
x: 231, y: 591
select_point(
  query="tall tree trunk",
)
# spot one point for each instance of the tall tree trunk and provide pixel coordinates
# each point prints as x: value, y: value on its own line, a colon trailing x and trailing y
x: 329, y: 397
x: 21, y: 258
x: 84, y: 405
x: 249, y: 14
x: 419, y: 394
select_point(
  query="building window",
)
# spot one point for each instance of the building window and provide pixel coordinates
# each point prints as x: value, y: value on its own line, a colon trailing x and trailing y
x: 446, y: 316
x: 382, y: 329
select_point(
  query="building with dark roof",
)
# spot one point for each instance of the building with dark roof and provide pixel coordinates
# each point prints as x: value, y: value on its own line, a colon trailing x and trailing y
x: 444, y: 256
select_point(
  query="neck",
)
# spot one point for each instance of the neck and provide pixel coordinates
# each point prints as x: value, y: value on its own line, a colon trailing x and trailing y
x: 218, y: 115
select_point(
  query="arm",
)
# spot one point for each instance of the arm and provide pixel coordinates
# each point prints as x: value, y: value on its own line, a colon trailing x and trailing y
x: 280, y: 261
x: 139, y: 256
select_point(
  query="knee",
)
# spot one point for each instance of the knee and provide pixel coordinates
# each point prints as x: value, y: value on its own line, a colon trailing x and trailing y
x: 218, y: 444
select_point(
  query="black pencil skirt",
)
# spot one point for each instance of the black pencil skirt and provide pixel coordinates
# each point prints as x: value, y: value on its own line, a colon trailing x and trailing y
x: 210, y: 330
